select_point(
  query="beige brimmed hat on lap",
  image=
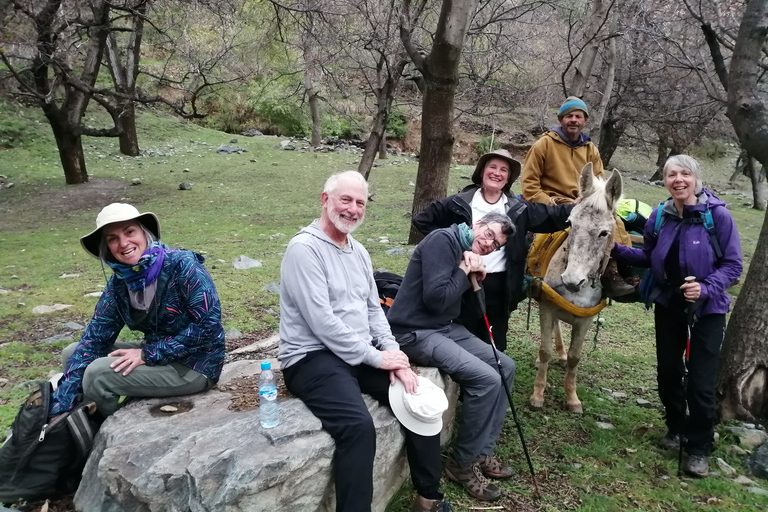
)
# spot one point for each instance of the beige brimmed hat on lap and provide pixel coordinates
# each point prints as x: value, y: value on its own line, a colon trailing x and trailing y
x: 118, y: 212
x: 420, y: 412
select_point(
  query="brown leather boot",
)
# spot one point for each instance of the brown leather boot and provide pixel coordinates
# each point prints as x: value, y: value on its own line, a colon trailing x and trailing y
x: 422, y: 504
x: 613, y: 284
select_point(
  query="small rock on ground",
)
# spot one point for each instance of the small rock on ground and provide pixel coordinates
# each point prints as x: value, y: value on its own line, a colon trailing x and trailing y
x: 41, y: 310
x: 743, y: 480
x: 185, y: 186
x: 57, y: 338
x: 725, y: 467
x: 74, y: 326
x: 244, y: 262
x: 605, y: 425
x: 272, y: 288
x: 233, y: 334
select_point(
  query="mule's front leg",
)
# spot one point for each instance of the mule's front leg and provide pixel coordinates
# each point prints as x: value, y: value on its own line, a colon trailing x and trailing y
x: 578, y: 333
x: 547, y: 323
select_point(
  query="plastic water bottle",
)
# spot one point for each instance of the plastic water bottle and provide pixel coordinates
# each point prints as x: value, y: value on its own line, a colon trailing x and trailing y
x: 269, y: 409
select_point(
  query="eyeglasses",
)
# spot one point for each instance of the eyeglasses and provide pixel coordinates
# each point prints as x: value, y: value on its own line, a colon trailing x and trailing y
x: 490, y: 235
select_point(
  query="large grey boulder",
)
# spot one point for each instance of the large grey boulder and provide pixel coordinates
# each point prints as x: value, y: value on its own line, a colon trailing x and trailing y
x: 206, y: 457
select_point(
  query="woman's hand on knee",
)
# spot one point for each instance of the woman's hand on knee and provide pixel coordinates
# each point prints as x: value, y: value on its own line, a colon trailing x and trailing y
x: 130, y: 358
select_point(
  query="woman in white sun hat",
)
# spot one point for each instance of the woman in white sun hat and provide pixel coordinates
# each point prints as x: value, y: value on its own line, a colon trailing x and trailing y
x: 163, y: 292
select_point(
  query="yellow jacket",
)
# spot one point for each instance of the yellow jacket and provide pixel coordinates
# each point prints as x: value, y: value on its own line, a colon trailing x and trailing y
x: 552, y: 168
x: 551, y: 174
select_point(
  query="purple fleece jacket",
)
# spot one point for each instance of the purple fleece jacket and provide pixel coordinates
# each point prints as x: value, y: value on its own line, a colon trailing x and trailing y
x: 697, y: 255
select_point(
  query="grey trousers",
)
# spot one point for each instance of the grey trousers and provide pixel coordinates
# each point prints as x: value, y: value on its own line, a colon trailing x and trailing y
x: 104, y: 386
x: 470, y: 362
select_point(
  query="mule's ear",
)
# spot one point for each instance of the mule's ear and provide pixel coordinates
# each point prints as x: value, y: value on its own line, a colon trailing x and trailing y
x: 586, y: 180
x: 614, y: 188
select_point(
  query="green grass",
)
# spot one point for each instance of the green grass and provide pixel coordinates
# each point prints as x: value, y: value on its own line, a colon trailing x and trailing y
x: 238, y: 206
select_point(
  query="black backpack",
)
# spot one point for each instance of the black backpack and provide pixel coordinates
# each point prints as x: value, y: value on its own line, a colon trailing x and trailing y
x: 387, y: 284
x: 41, y: 459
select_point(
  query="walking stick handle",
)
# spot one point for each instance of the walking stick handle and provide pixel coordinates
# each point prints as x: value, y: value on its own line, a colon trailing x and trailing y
x: 690, y: 279
x: 473, y: 280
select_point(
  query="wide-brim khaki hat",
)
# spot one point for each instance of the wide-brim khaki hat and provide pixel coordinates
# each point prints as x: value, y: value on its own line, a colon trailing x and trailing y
x: 118, y: 212
x: 420, y: 412
x: 514, y: 167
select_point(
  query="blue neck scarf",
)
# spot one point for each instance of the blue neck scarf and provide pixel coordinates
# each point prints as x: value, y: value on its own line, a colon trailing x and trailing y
x: 145, y: 271
x: 466, y: 236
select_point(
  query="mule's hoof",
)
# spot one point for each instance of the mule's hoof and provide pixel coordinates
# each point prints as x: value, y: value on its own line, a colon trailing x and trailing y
x: 575, y: 408
x: 537, y: 404
x: 562, y: 363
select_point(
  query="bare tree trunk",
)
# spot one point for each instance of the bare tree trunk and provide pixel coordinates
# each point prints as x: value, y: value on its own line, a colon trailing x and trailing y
x: 124, y: 76
x: 584, y: 69
x: 743, y: 379
x: 385, y: 95
x: 70, y: 148
x: 752, y: 169
x: 129, y: 140
x: 665, y: 148
x: 610, y: 77
x: 611, y: 131
x: 314, y: 110
x: 372, y: 145
x: 440, y: 71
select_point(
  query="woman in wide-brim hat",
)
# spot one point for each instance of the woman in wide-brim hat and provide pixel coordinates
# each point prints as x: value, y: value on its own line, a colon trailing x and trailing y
x: 164, y: 293
x: 490, y: 192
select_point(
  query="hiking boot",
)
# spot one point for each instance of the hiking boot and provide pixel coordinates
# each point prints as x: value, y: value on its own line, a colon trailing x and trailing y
x: 670, y: 442
x: 473, y: 480
x: 422, y: 504
x: 697, y: 465
x: 492, y: 467
x: 613, y: 284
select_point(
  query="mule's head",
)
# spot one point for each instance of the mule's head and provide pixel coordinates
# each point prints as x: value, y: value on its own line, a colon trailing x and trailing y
x: 592, y: 223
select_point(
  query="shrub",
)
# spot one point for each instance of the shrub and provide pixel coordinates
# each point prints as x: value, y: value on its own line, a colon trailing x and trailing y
x: 397, y: 125
x: 282, y: 116
x: 485, y: 146
x: 346, y: 127
x: 711, y: 149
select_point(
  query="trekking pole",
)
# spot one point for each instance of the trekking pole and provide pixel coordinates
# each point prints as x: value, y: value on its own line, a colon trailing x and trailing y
x: 477, y: 288
x: 689, y: 309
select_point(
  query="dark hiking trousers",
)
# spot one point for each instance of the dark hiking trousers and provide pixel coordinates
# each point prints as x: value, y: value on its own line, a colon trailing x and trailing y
x: 706, y: 339
x: 332, y: 390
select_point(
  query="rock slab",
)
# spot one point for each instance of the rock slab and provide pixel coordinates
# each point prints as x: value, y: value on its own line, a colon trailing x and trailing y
x: 757, y: 463
x: 205, y: 457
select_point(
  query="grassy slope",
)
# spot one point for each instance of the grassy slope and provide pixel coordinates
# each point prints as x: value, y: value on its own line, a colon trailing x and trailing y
x: 238, y: 207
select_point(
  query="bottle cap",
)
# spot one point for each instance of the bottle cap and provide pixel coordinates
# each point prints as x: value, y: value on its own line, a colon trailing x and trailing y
x: 266, y: 365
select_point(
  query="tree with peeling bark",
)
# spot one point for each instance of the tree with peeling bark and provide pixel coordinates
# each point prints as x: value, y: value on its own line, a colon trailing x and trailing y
x: 743, y: 379
x: 439, y: 68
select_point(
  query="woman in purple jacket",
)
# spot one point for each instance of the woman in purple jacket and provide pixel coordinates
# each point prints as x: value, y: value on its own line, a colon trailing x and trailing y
x: 683, y: 247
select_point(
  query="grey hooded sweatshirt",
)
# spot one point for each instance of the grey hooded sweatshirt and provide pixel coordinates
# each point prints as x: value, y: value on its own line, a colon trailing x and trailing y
x: 328, y: 300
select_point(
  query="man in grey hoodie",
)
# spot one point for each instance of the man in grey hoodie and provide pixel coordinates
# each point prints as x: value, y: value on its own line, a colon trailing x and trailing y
x: 335, y: 343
